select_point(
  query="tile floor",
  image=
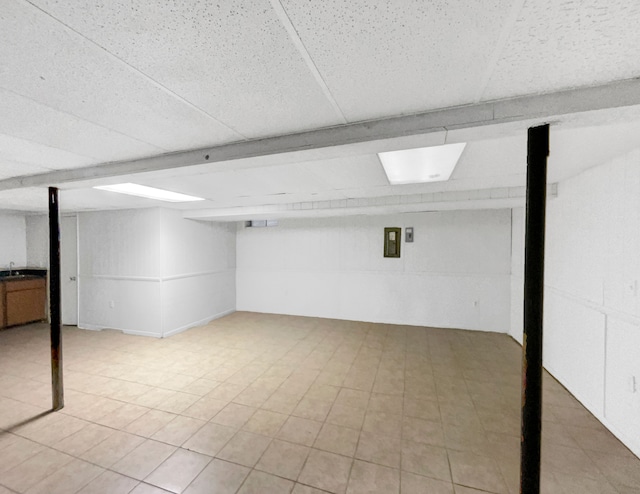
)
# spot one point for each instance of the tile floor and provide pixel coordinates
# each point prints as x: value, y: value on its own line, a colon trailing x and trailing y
x: 256, y: 403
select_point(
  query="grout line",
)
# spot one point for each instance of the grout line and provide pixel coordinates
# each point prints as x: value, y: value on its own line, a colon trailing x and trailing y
x: 304, y: 53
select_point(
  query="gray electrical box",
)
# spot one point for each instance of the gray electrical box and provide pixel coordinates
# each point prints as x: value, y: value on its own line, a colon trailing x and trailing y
x: 408, y: 234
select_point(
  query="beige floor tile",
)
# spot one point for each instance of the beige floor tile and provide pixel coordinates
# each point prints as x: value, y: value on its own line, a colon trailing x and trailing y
x: 112, y: 449
x: 261, y: 483
x: 353, y: 398
x: 209, y: 439
x: 226, y: 391
x: 301, y: 431
x: 122, y: 416
x: 109, y: 483
x: 417, y: 484
x: 201, y: 386
x: 205, y: 408
x: 17, y: 451
x: 383, y: 423
x: 305, y: 489
x: 346, y: 416
x: 283, y: 459
x: 143, y: 488
x: 337, y: 439
x: 309, y: 408
x: 178, y: 471
x: 234, y: 415
x: 153, y: 397
x: 265, y: 422
x: 477, y: 471
x: 423, y: 459
x: 379, y: 449
x: 52, y: 435
x: 149, y: 423
x: 368, y: 478
x: 619, y: 470
x: 83, y: 440
x: 385, y: 403
x: 179, y: 430
x: 219, y: 477
x: 33, y: 470
x: 144, y: 459
x: 244, y: 448
x: 70, y: 478
x: 281, y: 402
x: 326, y: 471
x: 424, y: 431
x: 177, y: 403
x: 253, y: 396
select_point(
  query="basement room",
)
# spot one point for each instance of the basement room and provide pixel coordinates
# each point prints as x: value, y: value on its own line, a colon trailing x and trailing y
x: 294, y: 247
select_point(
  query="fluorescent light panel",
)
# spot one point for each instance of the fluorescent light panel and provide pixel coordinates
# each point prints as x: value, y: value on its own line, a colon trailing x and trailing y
x: 414, y: 166
x: 149, y: 192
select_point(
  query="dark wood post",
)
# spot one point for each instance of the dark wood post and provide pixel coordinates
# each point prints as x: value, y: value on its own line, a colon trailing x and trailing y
x: 537, y: 153
x: 55, y: 300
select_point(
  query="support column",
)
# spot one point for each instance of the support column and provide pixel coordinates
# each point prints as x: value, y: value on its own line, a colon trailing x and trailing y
x: 57, y: 389
x: 537, y: 152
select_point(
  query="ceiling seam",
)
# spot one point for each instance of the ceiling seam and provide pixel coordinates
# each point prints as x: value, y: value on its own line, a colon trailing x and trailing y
x: 505, y: 33
x: 150, y: 79
x: 302, y: 50
x: 79, y: 118
x: 46, y: 146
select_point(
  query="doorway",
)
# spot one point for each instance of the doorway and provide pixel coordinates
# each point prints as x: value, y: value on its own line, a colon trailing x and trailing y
x: 69, y: 269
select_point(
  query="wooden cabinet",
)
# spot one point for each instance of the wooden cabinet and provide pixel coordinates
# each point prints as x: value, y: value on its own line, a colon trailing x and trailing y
x: 23, y: 301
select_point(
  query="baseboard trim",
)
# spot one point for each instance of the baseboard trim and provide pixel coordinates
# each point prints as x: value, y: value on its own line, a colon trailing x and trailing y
x: 201, y: 322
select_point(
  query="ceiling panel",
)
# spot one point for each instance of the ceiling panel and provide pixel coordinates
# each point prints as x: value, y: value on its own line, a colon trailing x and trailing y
x: 33, y: 153
x: 400, y: 56
x: 233, y: 59
x: 350, y: 171
x: 35, y: 122
x: 558, y: 44
x: 10, y: 169
x: 49, y: 63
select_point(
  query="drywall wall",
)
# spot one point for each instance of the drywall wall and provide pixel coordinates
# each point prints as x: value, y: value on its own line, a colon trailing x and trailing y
x: 119, y: 271
x: 592, y: 305
x: 37, y: 240
x: 151, y: 272
x: 455, y: 274
x: 13, y: 240
x: 198, y: 261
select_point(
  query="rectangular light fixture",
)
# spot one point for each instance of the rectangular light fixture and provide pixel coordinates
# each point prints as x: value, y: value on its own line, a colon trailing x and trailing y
x: 414, y: 166
x: 149, y: 192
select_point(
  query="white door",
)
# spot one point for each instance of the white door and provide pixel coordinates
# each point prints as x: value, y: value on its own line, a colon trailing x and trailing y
x: 69, y: 269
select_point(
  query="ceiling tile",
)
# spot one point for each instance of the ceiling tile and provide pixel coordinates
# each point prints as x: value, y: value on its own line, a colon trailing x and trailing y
x: 33, y: 153
x: 348, y: 172
x: 560, y: 44
x: 26, y: 119
x: 232, y: 59
x: 49, y: 63
x: 403, y: 56
x: 9, y: 169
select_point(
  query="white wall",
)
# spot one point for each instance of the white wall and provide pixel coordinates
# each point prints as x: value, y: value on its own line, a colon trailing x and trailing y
x: 455, y: 274
x: 119, y: 271
x: 198, y: 261
x: 592, y: 308
x: 13, y: 240
x: 151, y: 272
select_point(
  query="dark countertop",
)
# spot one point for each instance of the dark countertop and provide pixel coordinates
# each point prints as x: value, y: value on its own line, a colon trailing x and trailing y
x: 23, y: 273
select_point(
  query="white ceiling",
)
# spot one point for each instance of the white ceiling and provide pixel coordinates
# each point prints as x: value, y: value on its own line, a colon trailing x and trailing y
x: 91, y: 82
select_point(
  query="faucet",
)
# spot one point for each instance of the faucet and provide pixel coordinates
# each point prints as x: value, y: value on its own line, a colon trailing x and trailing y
x: 11, y: 265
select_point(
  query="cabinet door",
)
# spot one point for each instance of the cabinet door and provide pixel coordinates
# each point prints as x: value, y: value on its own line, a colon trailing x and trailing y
x: 3, y: 323
x: 25, y: 306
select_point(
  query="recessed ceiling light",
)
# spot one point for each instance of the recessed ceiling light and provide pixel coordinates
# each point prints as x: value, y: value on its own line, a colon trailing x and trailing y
x: 414, y: 166
x: 149, y: 192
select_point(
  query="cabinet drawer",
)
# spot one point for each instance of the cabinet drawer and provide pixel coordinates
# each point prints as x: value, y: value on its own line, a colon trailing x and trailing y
x: 17, y: 285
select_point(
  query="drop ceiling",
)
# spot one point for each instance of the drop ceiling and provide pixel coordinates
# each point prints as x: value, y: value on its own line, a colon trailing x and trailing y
x: 87, y: 83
